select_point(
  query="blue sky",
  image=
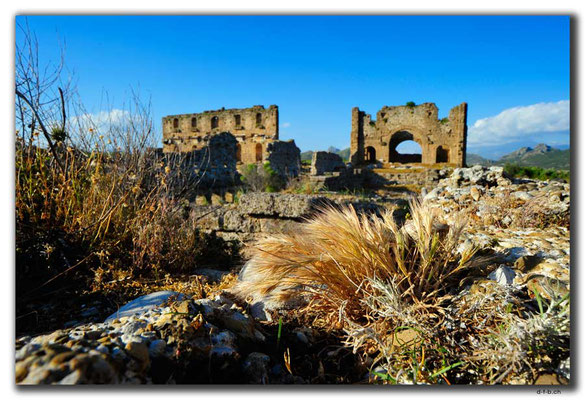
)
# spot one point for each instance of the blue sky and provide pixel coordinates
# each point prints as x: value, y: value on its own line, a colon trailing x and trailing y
x: 513, y: 71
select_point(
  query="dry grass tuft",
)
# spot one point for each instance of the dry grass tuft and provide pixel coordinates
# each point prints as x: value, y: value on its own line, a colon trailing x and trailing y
x: 333, y: 260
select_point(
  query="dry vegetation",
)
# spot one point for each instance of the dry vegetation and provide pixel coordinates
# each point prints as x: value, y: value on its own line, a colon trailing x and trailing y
x: 509, y: 212
x: 93, y: 203
x: 398, y: 293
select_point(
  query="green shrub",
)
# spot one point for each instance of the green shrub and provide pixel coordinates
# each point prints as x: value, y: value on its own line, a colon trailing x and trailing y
x: 261, y: 178
x: 411, y: 104
x: 536, y: 172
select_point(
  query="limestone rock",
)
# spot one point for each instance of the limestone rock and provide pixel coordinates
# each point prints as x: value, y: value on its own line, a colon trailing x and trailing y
x: 144, y: 303
x: 503, y: 275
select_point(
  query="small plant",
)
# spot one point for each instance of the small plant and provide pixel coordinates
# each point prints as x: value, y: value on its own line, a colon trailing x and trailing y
x: 58, y: 134
x: 279, y: 332
x: 444, y: 120
x: 411, y: 104
x: 261, y: 178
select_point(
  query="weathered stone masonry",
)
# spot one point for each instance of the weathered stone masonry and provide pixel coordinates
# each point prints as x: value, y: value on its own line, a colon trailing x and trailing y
x: 441, y: 141
x: 254, y: 128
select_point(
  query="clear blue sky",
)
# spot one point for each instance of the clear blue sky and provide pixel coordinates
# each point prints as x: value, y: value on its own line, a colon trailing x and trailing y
x: 317, y: 68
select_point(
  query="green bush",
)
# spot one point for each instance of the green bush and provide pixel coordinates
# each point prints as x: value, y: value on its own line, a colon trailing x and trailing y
x: 261, y: 178
x: 411, y: 104
x: 536, y: 172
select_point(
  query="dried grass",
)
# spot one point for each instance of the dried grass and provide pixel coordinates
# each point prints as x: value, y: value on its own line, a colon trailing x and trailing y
x: 334, y: 258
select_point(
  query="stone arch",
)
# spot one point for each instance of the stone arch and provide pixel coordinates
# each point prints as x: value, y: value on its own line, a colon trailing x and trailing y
x: 258, y: 152
x: 214, y: 122
x: 370, y: 154
x: 398, y: 138
x: 238, y: 152
x: 442, y: 155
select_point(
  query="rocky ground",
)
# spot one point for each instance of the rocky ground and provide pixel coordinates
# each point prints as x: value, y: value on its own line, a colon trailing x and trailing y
x: 184, y: 338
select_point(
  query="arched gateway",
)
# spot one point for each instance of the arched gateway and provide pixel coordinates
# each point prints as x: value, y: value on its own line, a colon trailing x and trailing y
x: 440, y: 140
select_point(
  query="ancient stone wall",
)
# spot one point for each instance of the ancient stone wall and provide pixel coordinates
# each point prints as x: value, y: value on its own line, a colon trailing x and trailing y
x: 284, y: 158
x: 441, y: 141
x: 324, y: 161
x: 261, y: 214
x: 212, y: 166
x: 254, y: 128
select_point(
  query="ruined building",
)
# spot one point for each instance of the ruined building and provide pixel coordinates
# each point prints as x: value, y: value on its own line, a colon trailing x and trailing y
x: 441, y: 141
x: 254, y: 128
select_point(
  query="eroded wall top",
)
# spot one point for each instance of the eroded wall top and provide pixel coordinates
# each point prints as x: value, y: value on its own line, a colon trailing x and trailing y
x: 187, y: 132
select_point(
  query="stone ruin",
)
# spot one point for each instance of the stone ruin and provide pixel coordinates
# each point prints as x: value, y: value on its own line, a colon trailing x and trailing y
x: 441, y: 141
x: 374, y: 158
x: 324, y: 161
x: 208, y: 168
x: 284, y: 157
x: 255, y: 130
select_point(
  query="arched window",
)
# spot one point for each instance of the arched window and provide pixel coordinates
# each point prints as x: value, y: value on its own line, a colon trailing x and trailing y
x: 370, y: 154
x: 258, y: 119
x: 238, y: 152
x: 238, y: 119
x: 442, y: 155
x: 214, y: 122
x: 403, y: 148
x: 194, y: 123
x: 176, y: 123
x: 258, y: 152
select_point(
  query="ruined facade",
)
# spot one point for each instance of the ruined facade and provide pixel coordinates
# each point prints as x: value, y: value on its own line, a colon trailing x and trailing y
x: 324, y: 161
x: 284, y: 158
x: 254, y: 128
x: 441, y: 141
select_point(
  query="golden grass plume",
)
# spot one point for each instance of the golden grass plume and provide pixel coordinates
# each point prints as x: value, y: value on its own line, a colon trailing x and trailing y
x: 333, y: 258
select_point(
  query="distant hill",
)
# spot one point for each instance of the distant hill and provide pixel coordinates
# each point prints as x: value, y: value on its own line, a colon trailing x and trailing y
x: 476, y: 159
x: 542, y: 156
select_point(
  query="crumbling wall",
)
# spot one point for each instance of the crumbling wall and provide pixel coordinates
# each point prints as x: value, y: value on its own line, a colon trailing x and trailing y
x: 254, y: 128
x: 260, y: 214
x: 324, y: 161
x: 213, y: 166
x: 442, y: 141
x: 284, y: 158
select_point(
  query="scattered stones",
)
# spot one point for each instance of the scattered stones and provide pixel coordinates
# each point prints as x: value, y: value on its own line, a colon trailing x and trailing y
x: 503, y: 275
x: 477, y: 175
x: 256, y: 367
x: 525, y: 263
x: 475, y: 193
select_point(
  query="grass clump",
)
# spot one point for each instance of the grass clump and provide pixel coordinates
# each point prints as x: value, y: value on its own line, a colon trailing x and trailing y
x: 369, y: 276
x: 334, y: 257
x: 401, y: 294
